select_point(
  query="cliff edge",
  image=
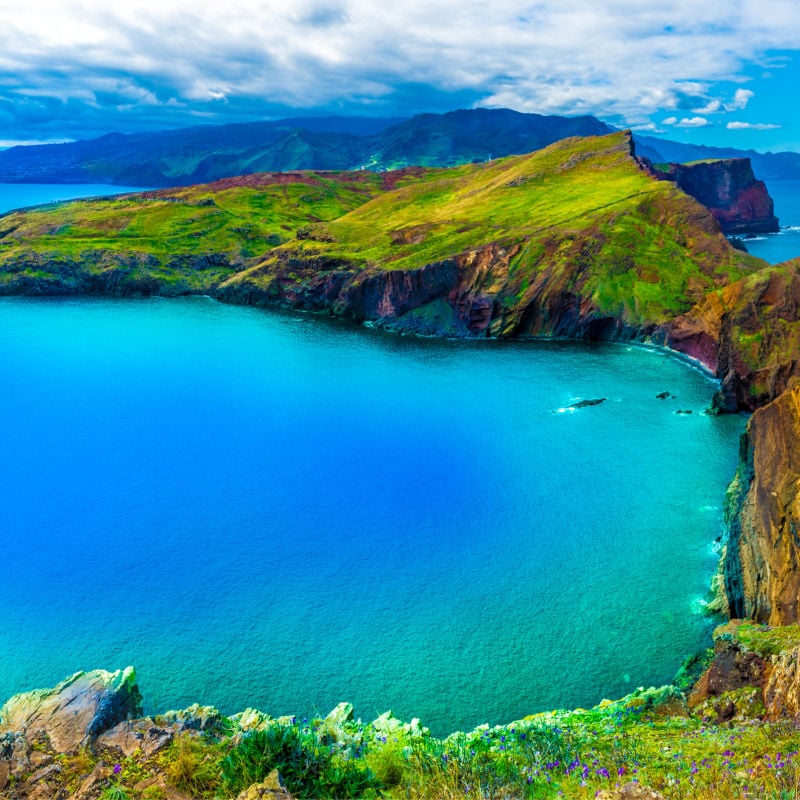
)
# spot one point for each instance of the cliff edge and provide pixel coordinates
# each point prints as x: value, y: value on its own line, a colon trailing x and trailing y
x: 728, y: 188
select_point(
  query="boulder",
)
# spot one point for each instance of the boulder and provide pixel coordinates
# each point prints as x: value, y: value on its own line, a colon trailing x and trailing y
x: 77, y: 710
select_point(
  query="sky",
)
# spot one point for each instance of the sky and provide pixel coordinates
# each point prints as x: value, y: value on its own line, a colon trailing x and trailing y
x: 718, y: 73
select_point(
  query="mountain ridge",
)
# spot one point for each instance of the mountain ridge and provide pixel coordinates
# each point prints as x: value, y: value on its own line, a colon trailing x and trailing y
x: 202, y: 153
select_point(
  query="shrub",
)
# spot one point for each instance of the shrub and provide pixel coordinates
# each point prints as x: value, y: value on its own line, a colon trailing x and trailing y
x: 192, y: 766
x: 308, y: 769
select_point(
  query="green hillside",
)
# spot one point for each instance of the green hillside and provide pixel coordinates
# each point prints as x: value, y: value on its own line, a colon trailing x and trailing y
x: 579, y: 219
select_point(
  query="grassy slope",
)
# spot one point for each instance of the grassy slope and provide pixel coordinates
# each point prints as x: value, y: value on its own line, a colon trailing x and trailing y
x: 579, y: 213
x: 233, y: 220
x: 581, y: 210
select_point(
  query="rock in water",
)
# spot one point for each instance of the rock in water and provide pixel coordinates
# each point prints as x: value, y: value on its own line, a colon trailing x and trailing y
x: 585, y: 403
x: 76, y: 711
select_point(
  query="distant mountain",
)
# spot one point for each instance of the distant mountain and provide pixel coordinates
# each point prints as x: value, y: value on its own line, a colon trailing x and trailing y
x: 210, y: 152
x: 206, y: 153
x: 766, y: 166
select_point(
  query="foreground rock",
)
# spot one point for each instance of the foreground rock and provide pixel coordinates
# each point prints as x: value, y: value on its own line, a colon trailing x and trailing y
x: 76, y: 711
x: 762, y: 579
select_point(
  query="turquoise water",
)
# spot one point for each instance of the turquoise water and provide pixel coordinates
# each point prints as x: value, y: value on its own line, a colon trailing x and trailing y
x: 258, y: 509
x: 777, y: 247
x: 23, y: 195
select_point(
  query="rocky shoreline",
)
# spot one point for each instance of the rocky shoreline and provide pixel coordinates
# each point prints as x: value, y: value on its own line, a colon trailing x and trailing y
x: 87, y: 739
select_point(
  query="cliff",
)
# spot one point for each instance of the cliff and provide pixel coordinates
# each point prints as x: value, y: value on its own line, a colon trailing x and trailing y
x: 728, y: 188
x: 573, y: 240
x: 747, y: 334
x: 762, y: 579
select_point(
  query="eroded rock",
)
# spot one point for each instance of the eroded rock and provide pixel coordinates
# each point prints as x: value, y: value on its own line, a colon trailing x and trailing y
x: 762, y: 578
x: 77, y: 710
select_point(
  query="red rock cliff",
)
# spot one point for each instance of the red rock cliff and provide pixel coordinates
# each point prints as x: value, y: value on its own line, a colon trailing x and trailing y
x: 729, y: 189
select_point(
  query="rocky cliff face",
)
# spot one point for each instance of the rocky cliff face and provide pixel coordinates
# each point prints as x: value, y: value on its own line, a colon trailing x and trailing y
x: 754, y: 674
x: 748, y: 335
x: 762, y: 579
x: 729, y: 189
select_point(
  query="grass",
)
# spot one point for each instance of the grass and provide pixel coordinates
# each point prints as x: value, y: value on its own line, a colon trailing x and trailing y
x: 579, y: 216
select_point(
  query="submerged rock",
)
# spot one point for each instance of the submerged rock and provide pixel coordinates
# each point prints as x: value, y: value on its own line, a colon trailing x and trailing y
x: 586, y: 403
x: 77, y: 710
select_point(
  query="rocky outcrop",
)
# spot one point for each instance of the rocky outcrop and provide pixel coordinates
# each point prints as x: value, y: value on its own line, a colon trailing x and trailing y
x: 762, y: 579
x: 728, y: 188
x: 443, y: 298
x: 748, y: 335
x: 755, y: 674
x: 76, y: 711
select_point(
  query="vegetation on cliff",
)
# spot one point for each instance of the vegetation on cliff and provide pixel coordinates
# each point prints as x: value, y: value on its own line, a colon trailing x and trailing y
x: 733, y: 737
x: 575, y: 239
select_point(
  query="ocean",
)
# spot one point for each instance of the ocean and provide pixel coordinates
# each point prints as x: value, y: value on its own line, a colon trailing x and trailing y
x: 25, y: 195
x: 284, y: 511
x: 777, y: 247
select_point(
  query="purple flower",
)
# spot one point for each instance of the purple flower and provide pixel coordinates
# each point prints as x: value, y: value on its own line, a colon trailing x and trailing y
x: 117, y: 769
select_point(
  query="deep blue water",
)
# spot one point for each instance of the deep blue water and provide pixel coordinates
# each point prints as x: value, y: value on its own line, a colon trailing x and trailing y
x: 280, y: 511
x: 23, y: 195
x: 777, y: 247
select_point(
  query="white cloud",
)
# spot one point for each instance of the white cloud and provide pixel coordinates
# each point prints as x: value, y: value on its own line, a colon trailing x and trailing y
x: 670, y: 121
x: 751, y: 126
x: 711, y: 107
x: 692, y: 122
x: 620, y: 59
x: 740, y: 99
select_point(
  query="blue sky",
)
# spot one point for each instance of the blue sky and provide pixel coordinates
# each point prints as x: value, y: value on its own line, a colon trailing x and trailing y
x: 714, y: 73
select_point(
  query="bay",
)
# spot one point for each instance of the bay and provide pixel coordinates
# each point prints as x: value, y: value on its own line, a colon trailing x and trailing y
x: 281, y: 511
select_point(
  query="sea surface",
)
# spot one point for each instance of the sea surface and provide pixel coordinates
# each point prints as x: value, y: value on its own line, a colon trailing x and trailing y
x: 777, y: 247
x: 24, y: 195
x: 282, y: 511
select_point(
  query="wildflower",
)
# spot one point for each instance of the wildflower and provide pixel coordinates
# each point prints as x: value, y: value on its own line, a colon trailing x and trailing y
x: 621, y: 771
x: 117, y: 769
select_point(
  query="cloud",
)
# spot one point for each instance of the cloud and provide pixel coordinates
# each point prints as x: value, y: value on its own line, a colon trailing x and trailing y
x: 692, y: 122
x: 670, y: 121
x: 751, y: 126
x: 145, y: 62
x: 740, y: 99
x: 711, y: 107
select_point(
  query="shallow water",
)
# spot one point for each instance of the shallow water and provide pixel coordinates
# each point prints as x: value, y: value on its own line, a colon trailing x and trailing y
x: 259, y: 509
